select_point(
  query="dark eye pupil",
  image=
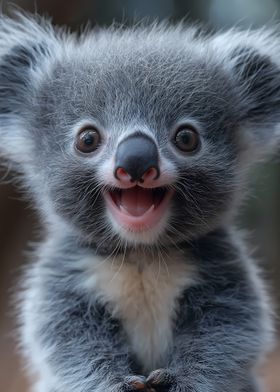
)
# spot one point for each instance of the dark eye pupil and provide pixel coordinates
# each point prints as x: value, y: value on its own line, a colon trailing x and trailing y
x: 186, y: 140
x: 184, y: 137
x: 88, y: 140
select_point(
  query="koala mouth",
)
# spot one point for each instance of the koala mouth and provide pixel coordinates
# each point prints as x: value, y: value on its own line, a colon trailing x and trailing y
x: 138, y: 208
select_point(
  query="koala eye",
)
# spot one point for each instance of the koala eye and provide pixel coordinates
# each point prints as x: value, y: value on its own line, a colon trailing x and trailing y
x: 88, y: 140
x: 186, y: 138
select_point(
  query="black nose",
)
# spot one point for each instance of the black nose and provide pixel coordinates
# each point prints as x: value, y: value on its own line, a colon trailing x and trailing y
x: 136, y: 155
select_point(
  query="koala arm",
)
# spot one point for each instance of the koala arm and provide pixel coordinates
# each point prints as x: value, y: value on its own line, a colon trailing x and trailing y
x: 218, y: 349
x: 79, y: 343
x: 220, y: 331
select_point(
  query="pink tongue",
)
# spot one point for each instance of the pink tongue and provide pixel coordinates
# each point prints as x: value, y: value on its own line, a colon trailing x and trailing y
x: 137, y: 200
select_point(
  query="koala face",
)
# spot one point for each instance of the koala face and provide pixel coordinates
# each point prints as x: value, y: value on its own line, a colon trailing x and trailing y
x: 142, y: 147
x: 138, y: 137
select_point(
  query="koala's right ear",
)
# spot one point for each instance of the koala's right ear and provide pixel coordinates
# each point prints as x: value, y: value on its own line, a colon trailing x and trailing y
x: 26, y: 45
x: 252, y: 60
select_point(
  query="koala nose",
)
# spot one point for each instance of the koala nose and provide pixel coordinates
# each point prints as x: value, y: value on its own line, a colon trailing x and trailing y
x: 137, y: 160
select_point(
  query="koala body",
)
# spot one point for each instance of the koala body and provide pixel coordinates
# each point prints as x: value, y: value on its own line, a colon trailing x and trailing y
x: 134, y: 145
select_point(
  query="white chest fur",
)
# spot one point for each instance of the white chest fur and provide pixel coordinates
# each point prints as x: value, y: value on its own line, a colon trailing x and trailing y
x: 142, y: 291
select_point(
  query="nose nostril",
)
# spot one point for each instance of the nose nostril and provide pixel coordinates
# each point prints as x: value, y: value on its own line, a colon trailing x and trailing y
x: 150, y: 174
x: 121, y: 172
x: 122, y: 175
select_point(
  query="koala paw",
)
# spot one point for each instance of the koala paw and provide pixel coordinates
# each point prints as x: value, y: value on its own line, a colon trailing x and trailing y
x: 132, y: 384
x: 161, y: 380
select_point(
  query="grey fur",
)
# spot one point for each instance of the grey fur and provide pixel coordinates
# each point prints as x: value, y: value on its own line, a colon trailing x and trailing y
x: 147, y: 79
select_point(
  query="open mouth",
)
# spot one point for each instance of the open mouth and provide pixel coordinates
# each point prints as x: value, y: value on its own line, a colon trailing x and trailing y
x: 138, y: 208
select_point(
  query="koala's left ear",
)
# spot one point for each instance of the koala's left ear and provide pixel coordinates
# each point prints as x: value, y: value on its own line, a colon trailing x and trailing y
x: 26, y: 50
x: 253, y: 62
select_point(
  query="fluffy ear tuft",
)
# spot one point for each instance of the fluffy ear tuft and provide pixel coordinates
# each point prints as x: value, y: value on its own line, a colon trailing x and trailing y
x: 15, y: 75
x: 259, y: 80
x: 26, y: 45
x: 252, y: 60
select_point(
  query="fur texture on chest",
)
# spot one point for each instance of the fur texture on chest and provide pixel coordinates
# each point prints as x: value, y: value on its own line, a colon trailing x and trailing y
x: 142, y: 291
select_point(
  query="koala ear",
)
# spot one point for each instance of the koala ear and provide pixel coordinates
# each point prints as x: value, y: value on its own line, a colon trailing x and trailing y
x: 259, y: 81
x: 25, y: 50
x: 253, y: 63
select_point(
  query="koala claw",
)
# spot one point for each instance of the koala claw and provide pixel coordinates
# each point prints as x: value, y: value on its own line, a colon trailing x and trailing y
x: 161, y: 380
x: 132, y: 384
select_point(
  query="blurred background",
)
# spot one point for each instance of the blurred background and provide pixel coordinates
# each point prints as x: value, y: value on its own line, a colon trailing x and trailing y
x: 260, y: 214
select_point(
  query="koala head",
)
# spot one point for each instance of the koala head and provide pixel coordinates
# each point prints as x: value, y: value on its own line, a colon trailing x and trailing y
x: 137, y: 136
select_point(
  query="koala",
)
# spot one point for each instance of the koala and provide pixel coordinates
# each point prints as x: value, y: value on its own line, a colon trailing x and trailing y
x: 134, y: 146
